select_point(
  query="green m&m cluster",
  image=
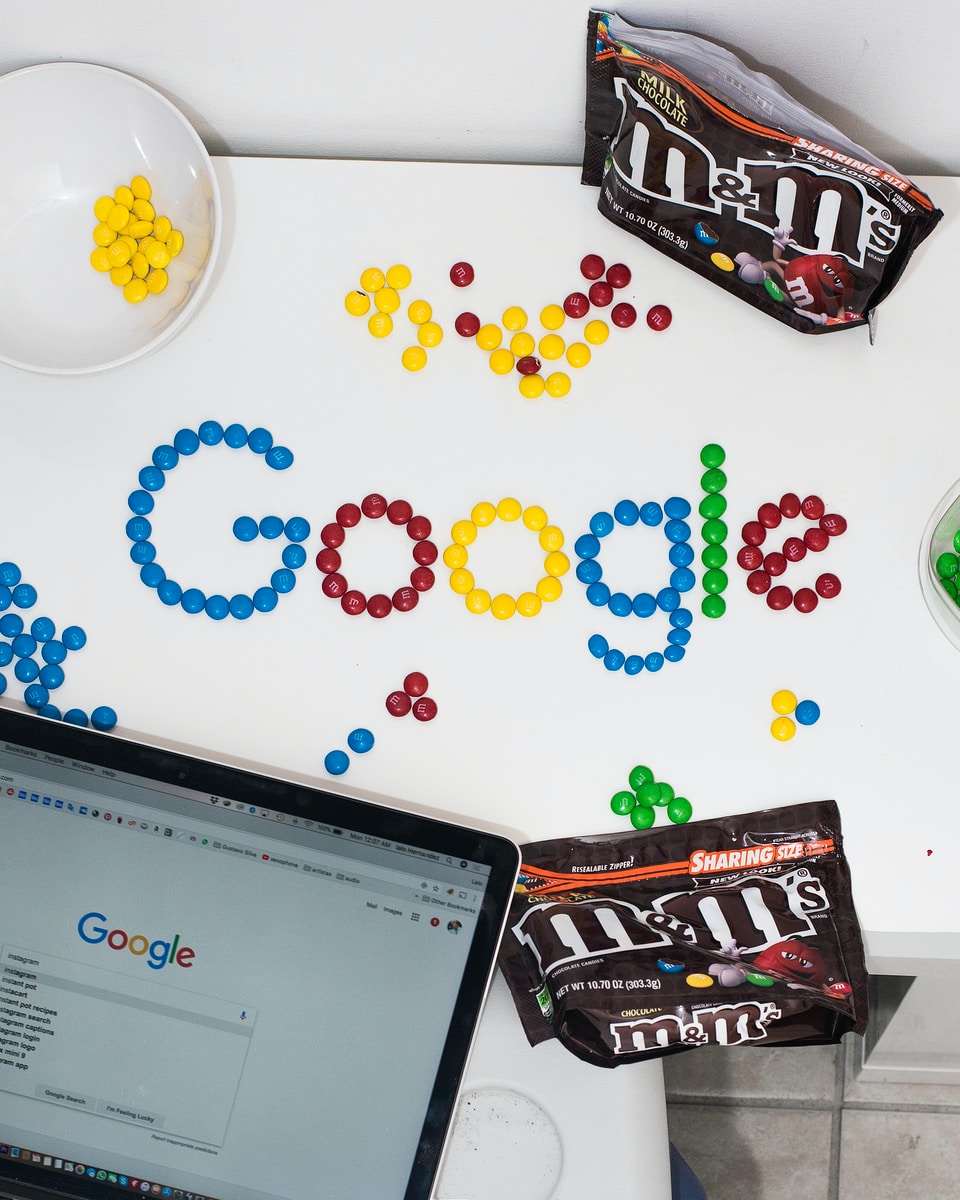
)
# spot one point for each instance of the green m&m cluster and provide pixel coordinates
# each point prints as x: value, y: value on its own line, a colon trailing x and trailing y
x: 645, y: 796
x: 714, y: 530
x: 947, y: 567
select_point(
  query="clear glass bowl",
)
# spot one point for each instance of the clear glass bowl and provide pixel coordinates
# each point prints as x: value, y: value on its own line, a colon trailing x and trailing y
x: 938, y: 538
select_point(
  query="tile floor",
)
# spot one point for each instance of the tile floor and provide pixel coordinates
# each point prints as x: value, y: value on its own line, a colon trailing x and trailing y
x: 779, y: 1124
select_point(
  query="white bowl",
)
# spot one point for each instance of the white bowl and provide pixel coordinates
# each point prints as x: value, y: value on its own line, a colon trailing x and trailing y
x: 70, y: 133
x: 938, y: 538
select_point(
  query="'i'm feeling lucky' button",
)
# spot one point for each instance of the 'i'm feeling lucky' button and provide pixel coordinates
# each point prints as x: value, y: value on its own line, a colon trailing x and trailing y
x: 133, y: 1114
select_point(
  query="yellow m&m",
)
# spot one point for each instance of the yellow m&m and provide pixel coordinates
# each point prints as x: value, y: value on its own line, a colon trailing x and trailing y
x: 531, y: 386
x: 135, y: 291
x: 372, y: 279
x: 414, y: 358
x: 387, y: 299
x: 398, y: 276
x: 514, y: 318
x: 782, y: 728
x: 557, y: 384
x: 430, y: 334
x: 489, y: 337
x: 552, y: 317
x: 419, y: 312
x: 784, y: 701
x: 380, y: 324
x: 503, y: 606
x: 357, y: 304
x: 522, y: 344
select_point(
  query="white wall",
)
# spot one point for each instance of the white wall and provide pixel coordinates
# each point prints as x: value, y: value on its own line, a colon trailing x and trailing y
x: 492, y: 80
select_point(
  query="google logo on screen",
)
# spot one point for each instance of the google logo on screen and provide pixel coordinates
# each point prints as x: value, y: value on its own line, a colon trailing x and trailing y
x: 159, y: 953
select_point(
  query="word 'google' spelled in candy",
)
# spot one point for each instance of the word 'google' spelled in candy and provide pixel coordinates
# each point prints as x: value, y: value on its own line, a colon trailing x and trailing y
x: 332, y: 556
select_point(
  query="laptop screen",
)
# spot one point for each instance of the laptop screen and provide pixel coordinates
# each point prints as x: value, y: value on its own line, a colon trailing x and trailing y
x: 217, y: 984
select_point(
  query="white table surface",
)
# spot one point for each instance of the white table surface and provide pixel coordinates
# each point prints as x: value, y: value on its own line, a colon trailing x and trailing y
x: 533, y: 735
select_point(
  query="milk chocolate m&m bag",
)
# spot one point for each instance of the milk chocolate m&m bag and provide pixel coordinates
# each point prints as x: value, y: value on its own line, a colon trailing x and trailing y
x: 718, y: 167
x: 739, y: 931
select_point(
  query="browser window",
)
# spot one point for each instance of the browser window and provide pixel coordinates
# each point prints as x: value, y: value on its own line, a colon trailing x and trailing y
x: 175, y: 978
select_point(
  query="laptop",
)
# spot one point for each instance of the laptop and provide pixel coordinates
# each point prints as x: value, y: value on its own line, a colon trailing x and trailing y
x: 216, y: 984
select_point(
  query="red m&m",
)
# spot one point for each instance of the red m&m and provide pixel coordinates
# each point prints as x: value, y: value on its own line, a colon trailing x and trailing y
x: 623, y: 315
x: 827, y: 585
x: 576, y: 305
x: 592, y: 266
x: 461, y: 274
x: 467, y: 324
x: 600, y: 293
x: 659, y: 317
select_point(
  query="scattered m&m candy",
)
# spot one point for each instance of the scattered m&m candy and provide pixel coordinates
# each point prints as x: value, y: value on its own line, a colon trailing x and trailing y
x: 382, y: 289
x: 37, y: 653
x: 645, y: 795
x: 511, y: 347
x: 412, y: 698
x: 790, y: 713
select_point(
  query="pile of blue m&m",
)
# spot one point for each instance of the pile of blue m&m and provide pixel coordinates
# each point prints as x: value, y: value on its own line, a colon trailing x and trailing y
x: 20, y: 645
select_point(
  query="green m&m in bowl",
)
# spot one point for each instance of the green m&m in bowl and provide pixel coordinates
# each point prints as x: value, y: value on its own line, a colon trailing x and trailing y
x: 940, y: 565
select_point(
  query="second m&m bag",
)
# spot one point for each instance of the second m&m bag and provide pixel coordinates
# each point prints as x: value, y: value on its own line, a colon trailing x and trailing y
x: 737, y: 931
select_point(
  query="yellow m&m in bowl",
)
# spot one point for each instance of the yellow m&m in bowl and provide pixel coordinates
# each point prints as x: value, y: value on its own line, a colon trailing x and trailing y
x: 73, y: 137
